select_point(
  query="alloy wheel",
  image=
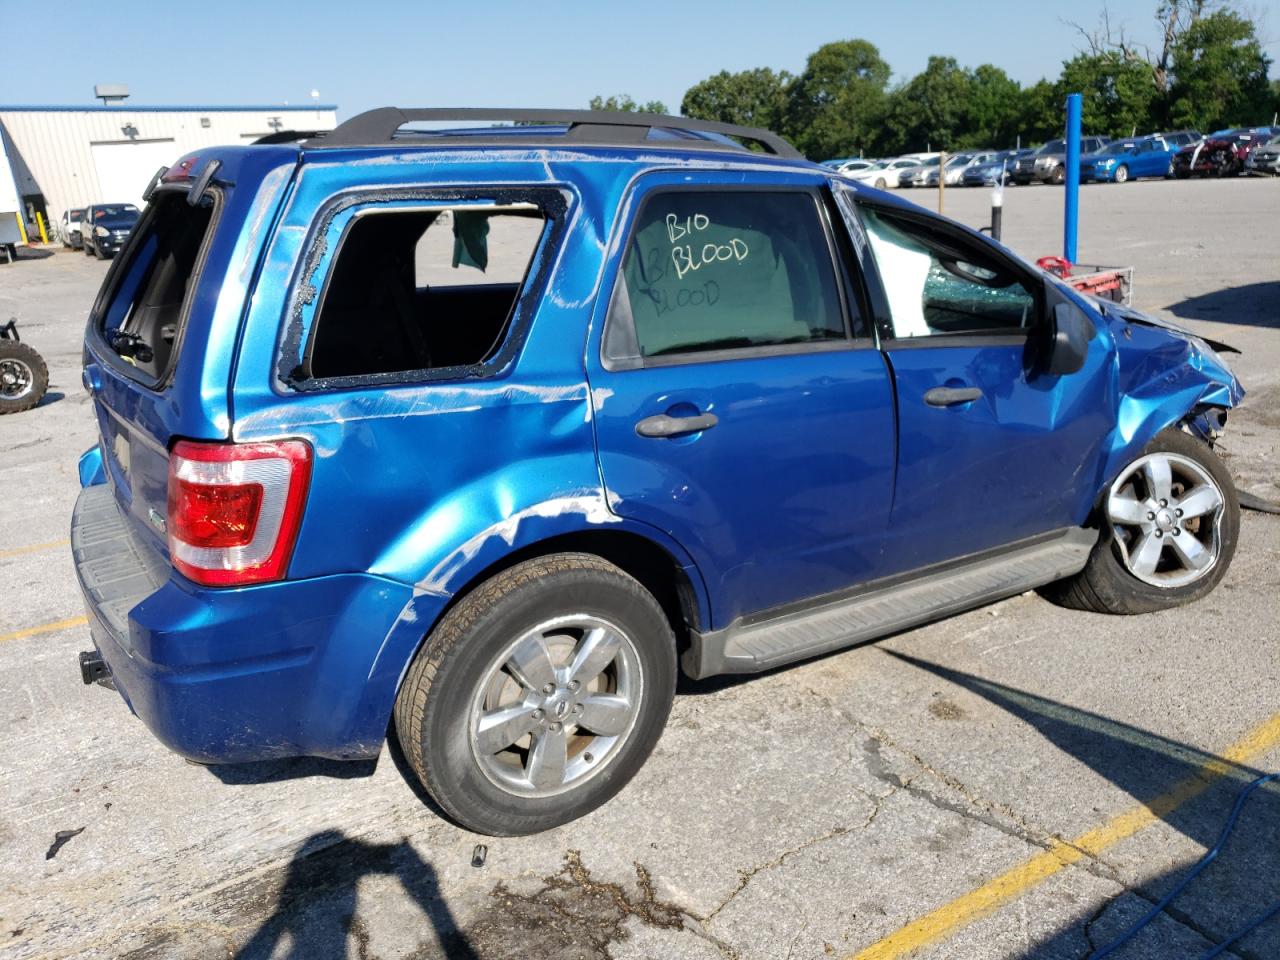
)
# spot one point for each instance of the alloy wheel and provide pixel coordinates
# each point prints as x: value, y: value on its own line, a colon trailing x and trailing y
x: 556, y: 706
x: 1166, y: 514
x: 16, y: 378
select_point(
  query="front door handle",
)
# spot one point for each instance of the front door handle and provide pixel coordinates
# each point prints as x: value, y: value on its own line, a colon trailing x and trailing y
x: 663, y: 425
x: 950, y: 396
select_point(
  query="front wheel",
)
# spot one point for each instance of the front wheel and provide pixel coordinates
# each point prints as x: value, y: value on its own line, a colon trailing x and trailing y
x: 880, y: 183
x: 539, y: 696
x: 1122, y: 174
x: 1058, y: 176
x: 1170, y: 521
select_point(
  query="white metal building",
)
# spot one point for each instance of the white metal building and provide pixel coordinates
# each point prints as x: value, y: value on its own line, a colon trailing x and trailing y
x: 65, y: 157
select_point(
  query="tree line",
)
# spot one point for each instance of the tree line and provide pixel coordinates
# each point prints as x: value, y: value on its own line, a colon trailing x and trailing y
x: 1207, y: 71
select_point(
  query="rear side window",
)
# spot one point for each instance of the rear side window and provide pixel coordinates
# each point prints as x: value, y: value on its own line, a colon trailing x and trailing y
x: 145, y: 306
x: 723, y: 270
x: 423, y: 289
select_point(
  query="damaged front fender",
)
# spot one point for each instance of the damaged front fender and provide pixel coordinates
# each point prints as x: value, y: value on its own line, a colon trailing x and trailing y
x: 1166, y: 376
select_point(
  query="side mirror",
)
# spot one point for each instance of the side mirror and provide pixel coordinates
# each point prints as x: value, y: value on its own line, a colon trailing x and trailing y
x: 1069, y: 333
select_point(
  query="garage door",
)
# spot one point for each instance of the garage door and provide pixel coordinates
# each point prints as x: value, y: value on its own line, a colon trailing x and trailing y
x: 125, y: 169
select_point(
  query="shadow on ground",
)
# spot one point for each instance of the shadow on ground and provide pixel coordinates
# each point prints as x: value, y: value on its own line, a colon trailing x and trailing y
x: 315, y: 915
x: 1169, y: 777
x: 1254, y: 304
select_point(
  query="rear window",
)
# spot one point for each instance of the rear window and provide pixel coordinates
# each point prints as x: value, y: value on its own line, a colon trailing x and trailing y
x: 425, y: 289
x: 145, y: 305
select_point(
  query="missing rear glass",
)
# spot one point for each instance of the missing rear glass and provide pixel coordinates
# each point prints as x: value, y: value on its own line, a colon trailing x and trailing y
x: 423, y: 289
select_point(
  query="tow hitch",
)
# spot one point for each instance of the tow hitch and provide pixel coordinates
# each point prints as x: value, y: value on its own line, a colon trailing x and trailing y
x: 93, y: 669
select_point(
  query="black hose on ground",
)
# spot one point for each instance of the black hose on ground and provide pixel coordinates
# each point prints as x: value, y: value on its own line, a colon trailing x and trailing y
x: 1250, y: 502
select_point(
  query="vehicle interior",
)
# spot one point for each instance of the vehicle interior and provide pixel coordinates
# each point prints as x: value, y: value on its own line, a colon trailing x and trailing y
x: 422, y: 289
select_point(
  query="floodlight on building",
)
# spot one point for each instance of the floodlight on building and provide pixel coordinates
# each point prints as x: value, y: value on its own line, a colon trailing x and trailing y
x: 110, y: 92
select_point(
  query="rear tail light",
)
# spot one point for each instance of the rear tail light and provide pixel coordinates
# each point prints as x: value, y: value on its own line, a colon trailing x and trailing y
x: 235, y: 509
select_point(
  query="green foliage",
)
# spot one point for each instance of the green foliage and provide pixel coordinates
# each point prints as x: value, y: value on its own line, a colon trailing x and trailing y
x: 752, y: 98
x: 834, y: 106
x: 1210, y: 73
x: 625, y: 104
x: 1219, y: 74
x: 1118, y: 95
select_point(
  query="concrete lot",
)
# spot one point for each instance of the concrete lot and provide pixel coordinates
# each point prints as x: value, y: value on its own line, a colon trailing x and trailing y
x: 986, y: 773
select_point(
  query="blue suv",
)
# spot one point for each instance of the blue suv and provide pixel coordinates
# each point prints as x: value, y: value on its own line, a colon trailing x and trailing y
x: 472, y: 435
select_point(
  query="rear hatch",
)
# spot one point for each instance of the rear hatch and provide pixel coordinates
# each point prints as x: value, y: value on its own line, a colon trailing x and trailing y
x: 160, y: 341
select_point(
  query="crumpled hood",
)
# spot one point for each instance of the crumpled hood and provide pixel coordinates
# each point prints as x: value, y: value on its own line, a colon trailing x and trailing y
x: 1165, y: 373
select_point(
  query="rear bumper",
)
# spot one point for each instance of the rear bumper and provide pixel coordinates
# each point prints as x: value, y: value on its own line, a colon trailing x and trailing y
x: 228, y: 675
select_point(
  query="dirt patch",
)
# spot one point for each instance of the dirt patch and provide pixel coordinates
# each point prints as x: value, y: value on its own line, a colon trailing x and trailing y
x: 944, y: 709
x: 568, y: 915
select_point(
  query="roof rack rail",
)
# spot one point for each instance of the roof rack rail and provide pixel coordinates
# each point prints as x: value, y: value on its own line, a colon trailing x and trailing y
x: 585, y: 127
x: 290, y: 136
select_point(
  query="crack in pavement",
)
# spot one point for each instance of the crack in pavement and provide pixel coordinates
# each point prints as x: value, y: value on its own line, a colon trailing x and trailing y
x: 746, y: 876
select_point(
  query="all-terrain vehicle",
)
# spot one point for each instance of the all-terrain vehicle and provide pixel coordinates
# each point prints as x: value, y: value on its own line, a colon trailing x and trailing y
x: 471, y: 435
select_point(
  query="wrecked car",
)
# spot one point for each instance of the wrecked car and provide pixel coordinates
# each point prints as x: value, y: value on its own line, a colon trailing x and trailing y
x: 473, y: 436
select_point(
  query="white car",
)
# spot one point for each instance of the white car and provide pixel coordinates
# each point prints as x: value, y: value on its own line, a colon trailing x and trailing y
x: 853, y: 166
x: 69, y: 227
x: 884, y: 175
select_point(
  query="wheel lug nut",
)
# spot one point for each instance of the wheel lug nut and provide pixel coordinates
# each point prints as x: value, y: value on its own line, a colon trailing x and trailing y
x: 557, y: 727
x: 538, y: 714
x: 1164, y: 503
x: 1150, y: 515
x: 577, y: 708
x: 549, y: 688
x: 1176, y: 531
x: 1178, y: 511
x: 1159, y: 534
x: 574, y: 685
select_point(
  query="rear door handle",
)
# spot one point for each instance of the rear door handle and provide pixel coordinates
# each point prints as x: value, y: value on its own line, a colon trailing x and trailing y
x: 665, y: 426
x: 950, y: 396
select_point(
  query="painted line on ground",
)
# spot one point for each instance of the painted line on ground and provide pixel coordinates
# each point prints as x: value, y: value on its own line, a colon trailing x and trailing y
x: 33, y: 548
x: 45, y: 628
x: 996, y: 892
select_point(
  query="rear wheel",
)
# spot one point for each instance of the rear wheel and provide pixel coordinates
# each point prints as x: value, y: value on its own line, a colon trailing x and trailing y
x: 1122, y: 174
x: 539, y: 696
x: 1170, y: 521
x: 24, y: 378
x: 880, y: 183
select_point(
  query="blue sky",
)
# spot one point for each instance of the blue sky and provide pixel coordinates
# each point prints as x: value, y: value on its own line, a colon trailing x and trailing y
x: 555, y: 53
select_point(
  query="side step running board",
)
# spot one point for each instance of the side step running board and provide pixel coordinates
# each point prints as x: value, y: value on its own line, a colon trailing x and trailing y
x: 880, y: 610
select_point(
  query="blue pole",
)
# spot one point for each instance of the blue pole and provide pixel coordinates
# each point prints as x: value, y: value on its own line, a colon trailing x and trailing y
x: 1072, y: 217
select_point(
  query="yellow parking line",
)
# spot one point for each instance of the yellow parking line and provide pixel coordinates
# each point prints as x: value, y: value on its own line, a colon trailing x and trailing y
x: 998, y: 891
x: 45, y: 628
x: 34, y: 548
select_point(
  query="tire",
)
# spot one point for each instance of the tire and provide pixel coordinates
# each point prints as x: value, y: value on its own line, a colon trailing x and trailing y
x: 1110, y: 583
x: 1122, y: 174
x: 1058, y: 176
x: 24, y: 378
x: 97, y: 253
x: 88, y: 249
x: 880, y: 183
x: 468, y: 669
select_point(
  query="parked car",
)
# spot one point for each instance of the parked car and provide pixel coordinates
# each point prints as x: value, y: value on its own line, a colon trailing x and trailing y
x: 1220, y: 154
x: 997, y: 169
x: 853, y: 166
x: 349, y: 484
x: 1045, y: 164
x: 1123, y: 160
x: 918, y: 175
x: 884, y: 174
x: 1265, y: 159
x: 69, y: 228
x: 1180, y: 138
x: 105, y: 228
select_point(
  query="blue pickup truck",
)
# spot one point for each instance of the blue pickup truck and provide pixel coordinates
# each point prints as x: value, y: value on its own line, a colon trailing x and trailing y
x: 473, y: 435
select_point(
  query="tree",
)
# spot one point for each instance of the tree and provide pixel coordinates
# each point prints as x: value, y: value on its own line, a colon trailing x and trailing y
x: 995, y: 105
x: 624, y: 104
x: 1041, y: 114
x: 751, y: 98
x: 834, y: 106
x: 1117, y: 94
x: 1219, y: 74
x: 931, y: 110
